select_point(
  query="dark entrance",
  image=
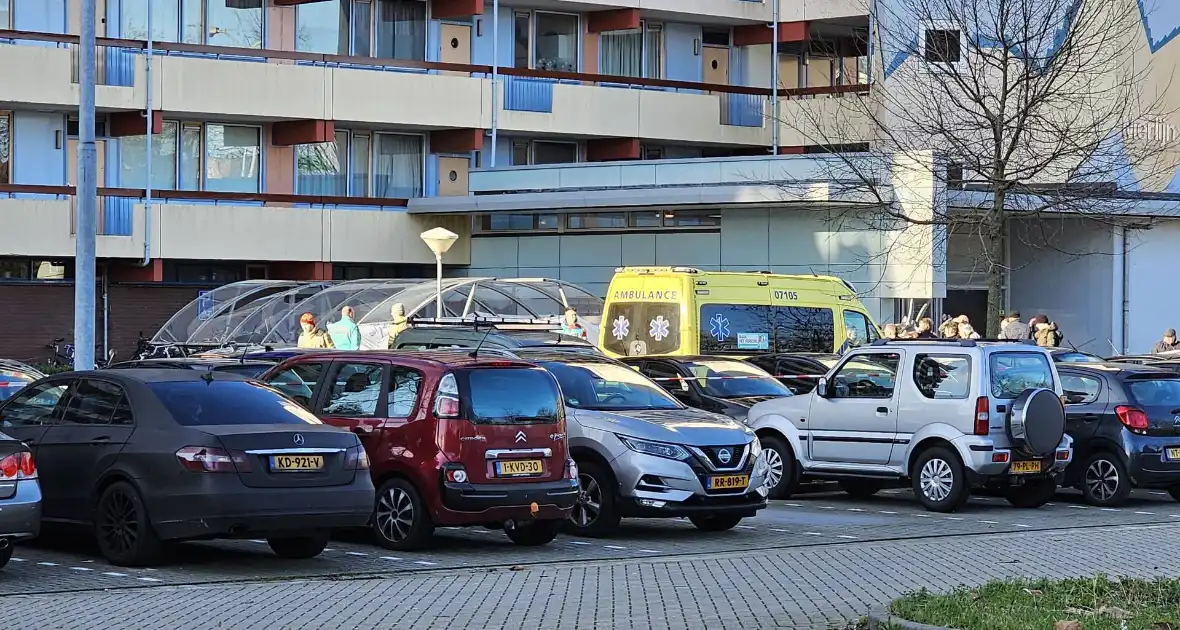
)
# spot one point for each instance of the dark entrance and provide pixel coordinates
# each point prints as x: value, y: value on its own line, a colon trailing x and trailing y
x: 972, y: 303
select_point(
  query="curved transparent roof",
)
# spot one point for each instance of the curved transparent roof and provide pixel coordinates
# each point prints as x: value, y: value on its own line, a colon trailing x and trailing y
x: 268, y: 311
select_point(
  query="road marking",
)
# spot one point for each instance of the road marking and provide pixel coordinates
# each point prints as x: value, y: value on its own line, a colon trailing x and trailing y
x: 1110, y: 509
x: 648, y: 551
x: 579, y: 542
x: 114, y: 574
x: 424, y: 563
x: 885, y: 512
x: 792, y: 505
x: 616, y: 547
x: 812, y: 534
x: 1159, y: 493
x: 1174, y: 515
x: 356, y: 553
x: 845, y: 536
x: 920, y: 515
x: 48, y: 564
x: 990, y: 522
x: 954, y: 518
x: 745, y: 527
x: 1146, y: 513
x: 781, y: 531
x: 1080, y: 507
x: 855, y: 510
x: 1050, y: 504
x: 80, y: 569
x: 395, y: 558
x: 825, y: 507
x: 19, y: 560
x: 148, y: 579
x: 1022, y: 525
x: 260, y: 542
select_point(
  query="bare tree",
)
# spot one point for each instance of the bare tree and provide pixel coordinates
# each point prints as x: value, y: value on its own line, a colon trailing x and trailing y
x: 1038, y: 108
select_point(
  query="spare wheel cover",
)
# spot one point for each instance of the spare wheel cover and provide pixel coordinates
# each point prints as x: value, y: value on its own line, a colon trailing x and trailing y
x: 1036, y: 421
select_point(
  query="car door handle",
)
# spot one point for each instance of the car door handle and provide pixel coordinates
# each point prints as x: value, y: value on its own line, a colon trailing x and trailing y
x: 102, y: 439
x: 882, y: 409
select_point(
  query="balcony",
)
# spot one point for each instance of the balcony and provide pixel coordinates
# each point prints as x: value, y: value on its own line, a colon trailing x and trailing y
x: 39, y: 221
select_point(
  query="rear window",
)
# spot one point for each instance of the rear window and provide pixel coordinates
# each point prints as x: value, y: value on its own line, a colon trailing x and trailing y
x: 512, y: 396
x: 202, y: 403
x: 750, y: 329
x: 1014, y: 372
x: 252, y: 371
x: 637, y: 329
x: 11, y: 382
x: 1156, y: 392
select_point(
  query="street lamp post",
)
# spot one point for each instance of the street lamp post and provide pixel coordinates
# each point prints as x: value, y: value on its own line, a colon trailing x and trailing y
x: 439, y: 240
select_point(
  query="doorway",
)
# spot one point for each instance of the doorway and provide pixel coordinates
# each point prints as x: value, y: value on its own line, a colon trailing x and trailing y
x: 972, y: 303
x: 456, y: 45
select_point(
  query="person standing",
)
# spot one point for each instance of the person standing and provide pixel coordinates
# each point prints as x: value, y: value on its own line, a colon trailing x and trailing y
x: 312, y: 337
x: 1167, y: 344
x: 1045, y: 332
x: 570, y: 325
x: 346, y: 335
x: 397, y: 323
x: 925, y: 329
x: 1014, y: 329
x: 890, y: 331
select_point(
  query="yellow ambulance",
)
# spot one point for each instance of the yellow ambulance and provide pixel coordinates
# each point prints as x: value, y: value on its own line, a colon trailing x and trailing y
x: 685, y: 311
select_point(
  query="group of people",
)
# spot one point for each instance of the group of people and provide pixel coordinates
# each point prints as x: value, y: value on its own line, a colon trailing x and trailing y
x: 345, y: 334
x: 1040, y: 329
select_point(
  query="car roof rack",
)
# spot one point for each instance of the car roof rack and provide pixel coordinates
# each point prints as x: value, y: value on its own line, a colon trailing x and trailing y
x: 962, y: 343
x: 502, y: 323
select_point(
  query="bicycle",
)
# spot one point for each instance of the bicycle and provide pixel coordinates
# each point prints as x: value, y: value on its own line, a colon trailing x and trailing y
x: 62, y: 356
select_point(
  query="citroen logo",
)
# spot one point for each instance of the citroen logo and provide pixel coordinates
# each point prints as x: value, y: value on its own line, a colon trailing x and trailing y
x: 520, y: 437
x: 724, y: 455
x: 298, y: 439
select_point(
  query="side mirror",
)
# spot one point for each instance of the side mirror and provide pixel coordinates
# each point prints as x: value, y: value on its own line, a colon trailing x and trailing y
x: 821, y: 388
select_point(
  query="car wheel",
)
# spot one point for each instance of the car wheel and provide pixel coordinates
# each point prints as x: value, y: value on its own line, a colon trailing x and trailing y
x: 1105, y: 481
x: 535, y: 534
x: 781, y: 480
x: 299, y: 548
x: 6, y: 555
x: 123, y: 530
x: 595, y: 513
x: 861, y: 488
x: 400, y: 519
x: 719, y: 523
x: 939, y: 480
x: 1033, y: 494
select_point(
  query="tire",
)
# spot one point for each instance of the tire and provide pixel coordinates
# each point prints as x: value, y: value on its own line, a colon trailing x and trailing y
x: 123, y: 529
x: 939, y: 470
x: 1033, y: 494
x: 720, y: 523
x: 1104, y: 481
x: 535, y: 535
x: 861, y: 488
x: 6, y: 555
x: 596, y: 513
x: 299, y: 548
x: 400, y: 519
x: 782, y: 480
x: 1039, y: 438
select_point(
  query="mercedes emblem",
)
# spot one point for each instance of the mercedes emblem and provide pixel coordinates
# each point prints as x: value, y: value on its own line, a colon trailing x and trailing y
x: 298, y: 439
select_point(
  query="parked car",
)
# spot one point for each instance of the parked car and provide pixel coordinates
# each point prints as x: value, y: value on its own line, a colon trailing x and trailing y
x: 251, y: 368
x: 1069, y: 355
x: 20, y: 496
x: 1125, y: 423
x: 1171, y: 365
x: 943, y: 416
x: 717, y: 384
x: 642, y: 453
x: 798, y: 372
x: 454, y: 440
x: 146, y: 457
x: 510, y: 336
x: 14, y: 375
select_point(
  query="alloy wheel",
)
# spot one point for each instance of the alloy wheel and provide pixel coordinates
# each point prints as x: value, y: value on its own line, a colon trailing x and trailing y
x: 119, y: 523
x: 589, y: 504
x: 774, y: 473
x: 1102, y: 479
x: 937, y: 479
x: 395, y: 515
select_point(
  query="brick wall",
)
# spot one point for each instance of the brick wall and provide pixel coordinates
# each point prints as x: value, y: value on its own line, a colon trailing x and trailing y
x: 37, y: 314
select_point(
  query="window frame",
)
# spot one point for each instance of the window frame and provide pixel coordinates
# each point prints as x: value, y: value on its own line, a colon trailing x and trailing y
x: 182, y: 162
x: 181, y: 18
x: 942, y: 355
x: 901, y: 361
x: 578, y: 31
x: 11, y: 15
x: 419, y: 391
x: 315, y: 387
x: 72, y: 393
x: 1090, y: 400
x: 941, y: 25
x: 381, y: 407
x: 51, y: 418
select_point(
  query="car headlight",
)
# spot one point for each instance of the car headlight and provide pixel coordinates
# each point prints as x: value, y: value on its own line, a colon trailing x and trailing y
x: 755, y: 448
x: 658, y: 449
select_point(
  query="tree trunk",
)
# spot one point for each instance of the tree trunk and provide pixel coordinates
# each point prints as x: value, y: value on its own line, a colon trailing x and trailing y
x: 994, y: 230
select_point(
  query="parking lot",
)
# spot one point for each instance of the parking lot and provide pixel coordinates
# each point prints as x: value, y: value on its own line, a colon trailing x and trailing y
x: 57, y: 565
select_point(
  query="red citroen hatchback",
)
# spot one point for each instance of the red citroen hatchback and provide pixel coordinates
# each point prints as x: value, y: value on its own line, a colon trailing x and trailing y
x: 453, y: 439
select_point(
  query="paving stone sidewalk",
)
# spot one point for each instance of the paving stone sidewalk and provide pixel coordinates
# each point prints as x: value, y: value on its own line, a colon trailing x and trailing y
x: 816, y: 587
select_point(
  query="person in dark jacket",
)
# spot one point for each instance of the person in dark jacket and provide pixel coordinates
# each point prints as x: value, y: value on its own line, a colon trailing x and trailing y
x: 1014, y: 329
x: 1167, y: 344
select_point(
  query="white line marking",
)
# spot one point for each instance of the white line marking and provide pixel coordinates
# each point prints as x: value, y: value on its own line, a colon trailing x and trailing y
x: 1159, y: 493
x: 845, y: 536
x: 481, y: 531
x: 1174, y: 515
x: 885, y: 512
x: 86, y: 561
x: 616, y: 547
x: 424, y: 563
x: 792, y: 505
x: 812, y: 534
x: 781, y: 531
x: 148, y: 579
x: 825, y: 507
x: 1146, y: 513
x: 745, y: 527
x: 1110, y: 509
x: 80, y: 569
x: 855, y: 510
x: 920, y: 515
x: 1050, y: 504
x: 329, y: 549
x: 579, y: 542
x: 390, y: 558
x: 48, y: 564
x: 954, y: 518
x: 1080, y: 507
x: 356, y: 553
x: 260, y: 542
x: 990, y: 522
x: 19, y: 560
x: 114, y: 574
x: 648, y: 551
x: 1022, y: 525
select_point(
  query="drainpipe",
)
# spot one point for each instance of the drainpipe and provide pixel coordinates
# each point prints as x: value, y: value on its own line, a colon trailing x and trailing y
x: 106, y: 311
x: 774, y: 108
x: 1119, y: 307
x: 147, y: 199
x: 495, y: 77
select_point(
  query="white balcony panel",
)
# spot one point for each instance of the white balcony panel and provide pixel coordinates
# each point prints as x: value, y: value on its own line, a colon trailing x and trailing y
x: 688, y: 117
x: 825, y: 121
x: 214, y: 87
x: 35, y: 76
x: 409, y: 98
x: 581, y: 110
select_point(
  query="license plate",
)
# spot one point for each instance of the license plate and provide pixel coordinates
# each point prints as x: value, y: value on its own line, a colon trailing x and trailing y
x: 1174, y: 453
x: 1024, y: 468
x: 296, y: 463
x: 519, y: 468
x: 728, y: 482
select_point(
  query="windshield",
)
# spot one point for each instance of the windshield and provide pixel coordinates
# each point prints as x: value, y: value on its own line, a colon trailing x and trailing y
x: 251, y: 370
x: 1156, y: 392
x: 608, y: 387
x: 735, y: 379
x: 637, y: 329
x: 1076, y: 357
x: 512, y: 396
x: 210, y: 402
x: 1014, y: 372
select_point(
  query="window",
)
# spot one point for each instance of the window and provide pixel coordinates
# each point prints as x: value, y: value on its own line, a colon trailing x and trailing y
x: 234, y: 23
x: 546, y: 41
x: 525, y: 152
x: 398, y: 165
x: 322, y: 169
x: 632, y: 53
x: 356, y: 390
x: 1080, y: 390
x: 33, y: 407
x: 642, y: 328
x: 1014, y: 372
x: 1156, y: 392
x: 404, y: 384
x: 133, y: 153
x: 597, y: 221
x: 858, y: 323
x: 803, y: 329
x: 512, y: 396
x: 609, y: 387
x: 647, y: 152
x: 233, y: 155
x: 942, y: 46
x: 400, y: 31
x: 866, y: 376
x: 519, y: 222
x: 942, y: 376
x: 203, y: 273
x: 726, y: 378
x: 195, y: 156
x: 715, y: 37
x: 97, y: 402
x: 683, y: 218
x: 298, y: 381
x: 326, y: 27
x: 5, y: 14
x: 5, y: 137
x: 223, y: 401
x: 742, y: 329
x: 667, y: 377
x: 12, y: 380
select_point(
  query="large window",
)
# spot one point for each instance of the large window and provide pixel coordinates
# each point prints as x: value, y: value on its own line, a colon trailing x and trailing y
x: 362, y: 165
x: 685, y: 220
x: 642, y: 328
x: 5, y: 138
x: 525, y: 152
x: 633, y: 53
x: 747, y: 329
x: 323, y: 167
x: 388, y: 29
x: 233, y: 155
x: 5, y: 14
x: 546, y: 41
x: 195, y: 156
x: 133, y: 156
x: 237, y: 23
x: 1014, y: 372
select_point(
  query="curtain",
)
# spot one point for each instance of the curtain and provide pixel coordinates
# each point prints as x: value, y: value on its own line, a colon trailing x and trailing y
x: 401, y: 29
x: 323, y: 167
x: 622, y: 53
x: 654, y: 61
x: 397, y: 166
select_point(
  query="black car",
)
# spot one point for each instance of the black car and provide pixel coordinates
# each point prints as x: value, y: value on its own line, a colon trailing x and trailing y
x: 718, y: 384
x: 144, y: 457
x: 799, y: 372
x: 1125, y: 422
x: 14, y: 375
x: 506, y: 336
x: 246, y: 367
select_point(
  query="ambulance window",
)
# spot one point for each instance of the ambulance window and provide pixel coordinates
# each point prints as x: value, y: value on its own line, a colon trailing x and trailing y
x: 641, y: 328
x: 855, y: 322
x: 736, y: 329
x: 803, y: 329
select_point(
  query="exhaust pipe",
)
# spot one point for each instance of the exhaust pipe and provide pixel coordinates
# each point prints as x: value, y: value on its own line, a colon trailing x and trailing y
x: 509, y: 525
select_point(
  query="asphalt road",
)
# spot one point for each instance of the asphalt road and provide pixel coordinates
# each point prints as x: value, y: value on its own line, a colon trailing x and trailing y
x: 805, y: 536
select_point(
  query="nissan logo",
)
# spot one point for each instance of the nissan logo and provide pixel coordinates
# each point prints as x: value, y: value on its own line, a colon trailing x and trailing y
x: 298, y: 439
x: 724, y: 455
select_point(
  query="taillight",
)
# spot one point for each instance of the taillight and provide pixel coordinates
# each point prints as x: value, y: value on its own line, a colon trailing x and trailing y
x: 571, y: 469
x: 1132, y: 418
x: 18, y: 466
x: 446, y: 401
x: 455, y: 473
x: 982, y: 416
x: 356, y: 459
x: 210, y: 459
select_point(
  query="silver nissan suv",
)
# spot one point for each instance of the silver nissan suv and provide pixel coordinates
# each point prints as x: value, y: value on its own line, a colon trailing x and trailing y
x: 943, y: 416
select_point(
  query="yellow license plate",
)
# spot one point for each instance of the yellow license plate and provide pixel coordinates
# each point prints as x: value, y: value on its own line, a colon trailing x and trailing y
x: 296, y: 463
x: 1024, y: 468
x: 1174, y: 453
x: 729, y: 482
x: 519, y: 467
